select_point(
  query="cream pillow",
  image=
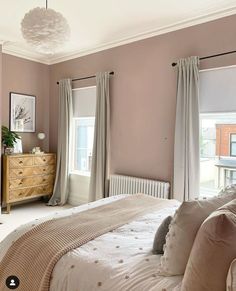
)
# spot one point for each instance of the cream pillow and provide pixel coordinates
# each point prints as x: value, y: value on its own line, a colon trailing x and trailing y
x: 213, y: 251
x: 183, y: 229
x: 231, y: 278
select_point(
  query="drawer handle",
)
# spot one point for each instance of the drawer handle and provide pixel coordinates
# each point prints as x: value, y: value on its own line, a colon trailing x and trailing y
x: 20, y: 183
x: 44, y: 189
x: 44, y: 180
x: 20, y: 173
x: 44, y: 170
x: 44, y: 160
x: 20, y: 162
x: 20, y: 194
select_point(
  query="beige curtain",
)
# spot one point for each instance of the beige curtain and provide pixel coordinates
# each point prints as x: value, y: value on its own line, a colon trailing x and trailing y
x: 61, y: 187
x: 100, y: 159
x: 186, y: 151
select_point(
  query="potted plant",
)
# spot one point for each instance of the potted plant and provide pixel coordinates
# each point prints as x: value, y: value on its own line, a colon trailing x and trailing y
x: 8, y: 140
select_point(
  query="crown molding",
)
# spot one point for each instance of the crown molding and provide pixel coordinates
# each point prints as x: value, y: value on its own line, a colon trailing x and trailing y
x: 147, y: 34
x: 20, y: 51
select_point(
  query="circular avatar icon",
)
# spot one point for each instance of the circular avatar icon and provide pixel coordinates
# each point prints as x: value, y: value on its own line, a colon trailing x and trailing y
x: 12, y: 282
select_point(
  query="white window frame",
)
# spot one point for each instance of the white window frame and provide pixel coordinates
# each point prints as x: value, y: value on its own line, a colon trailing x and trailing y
x: 72, y: 170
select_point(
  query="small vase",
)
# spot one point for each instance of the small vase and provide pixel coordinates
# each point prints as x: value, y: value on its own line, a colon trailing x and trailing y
x: 8, y: 151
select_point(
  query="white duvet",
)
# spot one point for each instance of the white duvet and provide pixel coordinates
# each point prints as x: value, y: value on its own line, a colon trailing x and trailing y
x: 119, y: 260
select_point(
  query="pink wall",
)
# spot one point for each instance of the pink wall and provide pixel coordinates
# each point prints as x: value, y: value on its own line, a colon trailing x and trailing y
x: 24, y: 76
x: 0, y: 113
x: 0, y: 88
x: 143, y: 92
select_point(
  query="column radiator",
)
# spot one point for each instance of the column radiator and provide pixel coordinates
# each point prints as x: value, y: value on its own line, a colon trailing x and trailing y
x: 120, y: 184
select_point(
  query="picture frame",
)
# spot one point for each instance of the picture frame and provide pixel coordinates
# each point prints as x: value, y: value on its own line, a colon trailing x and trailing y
x: 22, y: 112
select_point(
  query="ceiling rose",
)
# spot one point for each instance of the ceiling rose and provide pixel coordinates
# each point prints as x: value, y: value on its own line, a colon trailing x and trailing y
x: 45, y: 29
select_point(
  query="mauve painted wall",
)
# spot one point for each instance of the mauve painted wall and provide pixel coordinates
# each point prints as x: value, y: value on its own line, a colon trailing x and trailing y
x: 143, y: 92
x: 1, y: 110
x: 0, y: 114
x: 0, y: 88
x: 24, y: 76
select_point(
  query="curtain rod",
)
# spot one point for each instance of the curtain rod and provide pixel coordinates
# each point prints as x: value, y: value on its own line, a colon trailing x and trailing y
x: 213, y: 56
x: 85, y: 78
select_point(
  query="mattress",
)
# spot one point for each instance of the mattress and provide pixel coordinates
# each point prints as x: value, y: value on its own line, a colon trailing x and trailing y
x: 119, y: 260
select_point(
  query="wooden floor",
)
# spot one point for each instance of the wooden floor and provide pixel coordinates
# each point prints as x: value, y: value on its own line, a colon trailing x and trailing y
x: 24, y: 213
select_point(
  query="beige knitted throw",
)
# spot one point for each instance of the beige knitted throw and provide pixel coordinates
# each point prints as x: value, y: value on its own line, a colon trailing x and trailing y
x: 33, y: 256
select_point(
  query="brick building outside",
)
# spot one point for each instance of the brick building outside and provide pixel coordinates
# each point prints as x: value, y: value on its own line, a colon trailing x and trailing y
x: 226, y: 140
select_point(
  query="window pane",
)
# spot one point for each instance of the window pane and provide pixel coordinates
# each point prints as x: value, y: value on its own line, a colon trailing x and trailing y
x: 233, y: 149
x: 230, y: 177
x: 217, y: 161
x: 234, y: 175
x: 84, y: 132
x: 233, y: 137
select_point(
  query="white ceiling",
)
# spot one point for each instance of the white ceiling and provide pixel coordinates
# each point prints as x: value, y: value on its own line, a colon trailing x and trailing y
x: 100, y: 24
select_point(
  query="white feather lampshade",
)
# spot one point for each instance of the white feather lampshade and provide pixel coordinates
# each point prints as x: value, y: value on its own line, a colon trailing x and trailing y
x: 45, y: 29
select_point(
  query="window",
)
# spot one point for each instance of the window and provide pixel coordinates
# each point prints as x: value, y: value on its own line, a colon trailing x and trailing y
x: 83, y: 147
x: 217, y: 146
x: 217, y: 129
x: 233, y: 144
x: 84, y: 103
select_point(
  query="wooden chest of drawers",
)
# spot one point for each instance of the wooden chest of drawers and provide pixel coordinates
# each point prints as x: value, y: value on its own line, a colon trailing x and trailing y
x: 27, y: 176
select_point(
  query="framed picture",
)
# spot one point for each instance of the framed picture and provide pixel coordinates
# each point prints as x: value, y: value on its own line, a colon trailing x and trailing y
x: 22, y: 112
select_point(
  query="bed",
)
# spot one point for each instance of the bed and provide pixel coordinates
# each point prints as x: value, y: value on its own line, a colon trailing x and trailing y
x: 120, y: 259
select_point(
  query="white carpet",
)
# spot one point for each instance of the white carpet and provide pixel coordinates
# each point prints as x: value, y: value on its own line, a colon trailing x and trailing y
x: 24, y: 213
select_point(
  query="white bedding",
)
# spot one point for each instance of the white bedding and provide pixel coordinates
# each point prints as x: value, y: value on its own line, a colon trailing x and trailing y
x: 118, y: 260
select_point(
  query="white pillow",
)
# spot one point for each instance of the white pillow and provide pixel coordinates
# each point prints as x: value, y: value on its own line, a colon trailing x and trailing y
x: 231, y: 278
x: 183, y: 229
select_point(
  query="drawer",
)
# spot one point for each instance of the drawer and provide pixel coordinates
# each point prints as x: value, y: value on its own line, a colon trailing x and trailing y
x: 16, y: 162
x: 19, y: 194
x: 44, y: 160
x: 31, y: 171
x: 46, y: 189
x: 31, y: 181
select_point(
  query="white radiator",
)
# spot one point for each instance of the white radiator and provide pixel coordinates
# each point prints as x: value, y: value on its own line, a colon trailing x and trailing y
x: 120, y: 184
